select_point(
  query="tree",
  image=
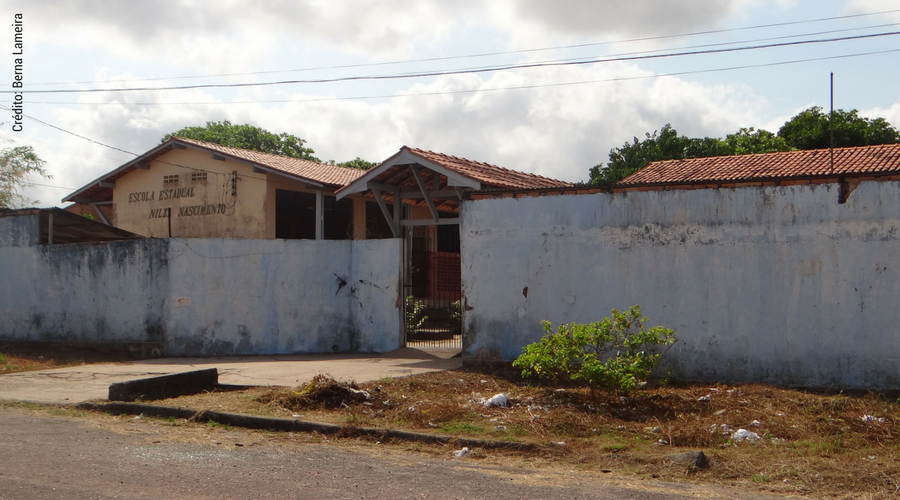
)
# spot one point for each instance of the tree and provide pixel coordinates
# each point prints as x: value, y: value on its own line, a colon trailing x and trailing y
x: 664, y: 144
x: 810, y: 129
x: 17, y: 165
x: 247, y: 136
x: 751, y: 141
x: 358, y: 163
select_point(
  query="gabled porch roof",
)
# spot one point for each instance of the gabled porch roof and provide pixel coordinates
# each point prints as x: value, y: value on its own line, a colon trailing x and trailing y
x: 437, y: 181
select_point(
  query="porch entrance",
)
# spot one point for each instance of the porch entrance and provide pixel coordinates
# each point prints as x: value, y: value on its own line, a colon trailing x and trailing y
x: 432, y: 286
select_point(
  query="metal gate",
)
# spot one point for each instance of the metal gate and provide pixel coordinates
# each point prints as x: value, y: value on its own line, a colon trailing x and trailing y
x: 432, y: 287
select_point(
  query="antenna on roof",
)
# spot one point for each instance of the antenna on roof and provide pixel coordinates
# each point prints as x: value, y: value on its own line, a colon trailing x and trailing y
x: 831, y: 123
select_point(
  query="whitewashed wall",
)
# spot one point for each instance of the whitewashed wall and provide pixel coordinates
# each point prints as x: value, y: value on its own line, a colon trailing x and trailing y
x: 200, y: 297
x: 282, y: 296
x: 780, y: 285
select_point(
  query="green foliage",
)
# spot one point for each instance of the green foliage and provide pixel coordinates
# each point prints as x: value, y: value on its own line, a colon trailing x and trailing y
x: 666, y: 144
x: 611, y: 353
x: 455, y: 320
x: 358, y: 163
x: 810, y: 129
x: 455, y: 427
x: 748, y: 141
x: 17, y: 165
x: 415, y: 314
x: 247, y: 136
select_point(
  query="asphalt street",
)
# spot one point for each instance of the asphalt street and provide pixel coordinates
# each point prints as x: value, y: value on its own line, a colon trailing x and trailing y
x: 53, y: 457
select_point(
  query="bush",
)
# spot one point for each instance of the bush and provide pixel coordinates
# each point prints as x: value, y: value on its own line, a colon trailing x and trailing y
x: 612, y: 354
x: 415, y: 314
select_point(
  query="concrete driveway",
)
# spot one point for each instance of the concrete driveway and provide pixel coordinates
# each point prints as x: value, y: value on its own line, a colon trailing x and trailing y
x: 87, y: 382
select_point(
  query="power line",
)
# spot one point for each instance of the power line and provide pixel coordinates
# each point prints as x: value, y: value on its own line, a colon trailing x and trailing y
x: 464, y: 71
x: 472, y: 91
x: 49, y: 186
x: 129, y: 152
x: 488, y: 54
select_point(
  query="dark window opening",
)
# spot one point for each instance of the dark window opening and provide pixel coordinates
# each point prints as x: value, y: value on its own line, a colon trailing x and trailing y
x: 338, y: 219
x: 377, y: 227
x: 448, y: 236
x: 295, y: 216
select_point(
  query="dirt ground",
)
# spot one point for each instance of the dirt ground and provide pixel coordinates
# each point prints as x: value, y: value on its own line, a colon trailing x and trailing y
x: 25, y: 356
x: 842, y: 445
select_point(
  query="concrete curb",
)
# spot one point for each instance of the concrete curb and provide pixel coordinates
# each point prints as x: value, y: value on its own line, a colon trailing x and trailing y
x: 165, y: 386
x: 292, y: 425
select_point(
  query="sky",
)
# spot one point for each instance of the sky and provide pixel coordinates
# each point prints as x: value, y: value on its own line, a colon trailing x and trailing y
x: 541, y: 86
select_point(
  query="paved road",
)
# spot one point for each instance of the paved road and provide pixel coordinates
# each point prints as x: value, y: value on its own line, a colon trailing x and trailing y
x: 86, y: 382
x: 44, y: 457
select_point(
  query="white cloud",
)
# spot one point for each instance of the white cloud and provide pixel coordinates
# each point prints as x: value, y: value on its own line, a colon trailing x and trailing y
x: 556, y: 131
x: 231, y: 35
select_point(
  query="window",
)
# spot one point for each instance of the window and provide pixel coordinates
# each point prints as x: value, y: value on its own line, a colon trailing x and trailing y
x: 338, y: 219
x: 377, y: 226
x: 198, y: 176
x: 169, y: 179
x: 295, y: 216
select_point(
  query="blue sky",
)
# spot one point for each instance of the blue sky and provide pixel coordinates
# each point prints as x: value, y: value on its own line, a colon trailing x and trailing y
x: 564, y: 122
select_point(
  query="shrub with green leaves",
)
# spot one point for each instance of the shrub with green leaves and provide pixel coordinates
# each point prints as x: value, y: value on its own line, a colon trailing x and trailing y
x: 415, y: 314
x: 614, y: 353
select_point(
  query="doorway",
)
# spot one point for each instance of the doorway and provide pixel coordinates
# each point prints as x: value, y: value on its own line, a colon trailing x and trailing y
x: 432, y: 287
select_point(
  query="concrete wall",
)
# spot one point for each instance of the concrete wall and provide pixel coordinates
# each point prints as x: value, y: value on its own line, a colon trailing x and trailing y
x: 20, y: 230
x: 282, y: 296
x: 780, y: 285
x: 84, y: 292
x: 202, y: 297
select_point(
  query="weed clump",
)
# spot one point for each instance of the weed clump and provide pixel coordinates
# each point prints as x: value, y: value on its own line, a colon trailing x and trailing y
x: 615, y: 353
x: 322, y: 392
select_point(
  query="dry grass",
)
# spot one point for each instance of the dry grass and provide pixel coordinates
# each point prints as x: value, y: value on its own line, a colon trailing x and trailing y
x: 25, y: 357
x: 812, y: 444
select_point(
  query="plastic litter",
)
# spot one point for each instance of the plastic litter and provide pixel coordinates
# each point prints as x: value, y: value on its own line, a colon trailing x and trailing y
x: 871, y: 418
x: 705, y: 399
x: 498, y: 400
x: 724, y: 429
x: 559, y: 443
x: 500, y: 428
x: 463, y: 453
x: 755, y: 423
x: 662, y: 442
x: 742, y: 435
x: 139, y: 417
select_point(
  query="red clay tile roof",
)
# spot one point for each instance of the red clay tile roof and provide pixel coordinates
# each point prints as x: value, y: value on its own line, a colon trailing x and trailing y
x: 857, y: 161
x: 489, y: 175
x: 319, y: 172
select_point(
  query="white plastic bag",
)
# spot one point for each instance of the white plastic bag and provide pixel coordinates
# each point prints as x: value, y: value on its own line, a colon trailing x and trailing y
x: 499, y: 400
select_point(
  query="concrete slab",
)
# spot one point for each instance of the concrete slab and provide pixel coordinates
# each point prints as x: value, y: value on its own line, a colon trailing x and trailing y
x: 91, y: 382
